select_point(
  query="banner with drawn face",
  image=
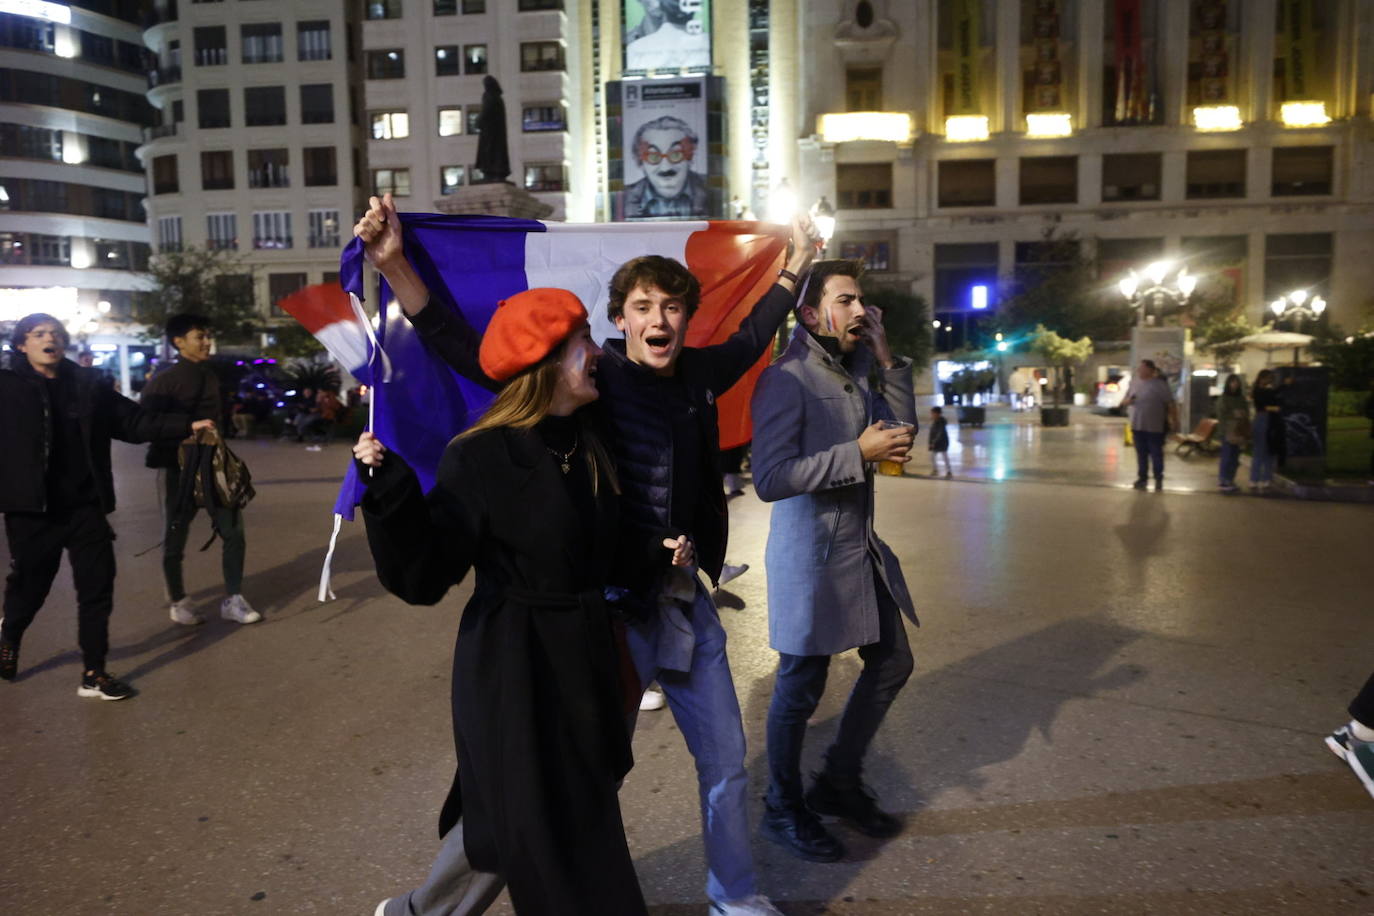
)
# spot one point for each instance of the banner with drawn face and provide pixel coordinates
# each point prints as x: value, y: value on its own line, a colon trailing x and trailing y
x: 666, y: 35
x: 665, y: 149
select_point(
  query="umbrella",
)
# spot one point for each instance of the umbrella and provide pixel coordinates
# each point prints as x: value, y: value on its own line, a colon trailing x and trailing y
x: 1270, y: 341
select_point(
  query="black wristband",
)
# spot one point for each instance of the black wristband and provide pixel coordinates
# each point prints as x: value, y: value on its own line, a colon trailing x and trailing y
x: 787, y: 275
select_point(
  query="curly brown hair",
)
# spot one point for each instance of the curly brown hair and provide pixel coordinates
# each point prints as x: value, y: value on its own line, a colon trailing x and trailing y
x: 652, y: 270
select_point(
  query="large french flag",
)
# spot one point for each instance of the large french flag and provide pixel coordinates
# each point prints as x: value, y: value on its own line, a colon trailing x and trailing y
x: 476, y: 261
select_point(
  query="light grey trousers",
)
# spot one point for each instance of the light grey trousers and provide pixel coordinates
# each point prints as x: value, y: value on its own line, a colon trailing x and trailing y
x: 453, y: 888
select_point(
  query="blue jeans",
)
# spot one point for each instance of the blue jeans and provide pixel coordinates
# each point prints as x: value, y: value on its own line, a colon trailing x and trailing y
x: 797, y: 691
x: 706, y: 709
x: 1149, y: 449
x: 1261, y: 457
x: 1230, y: 461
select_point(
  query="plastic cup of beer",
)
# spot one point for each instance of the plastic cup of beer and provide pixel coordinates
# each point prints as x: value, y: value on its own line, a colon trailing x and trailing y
x: 893, y: 468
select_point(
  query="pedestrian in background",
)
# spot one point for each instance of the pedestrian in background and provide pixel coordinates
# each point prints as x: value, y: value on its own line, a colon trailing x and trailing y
x: 938, y: 442
x: 56, y: 488
x: 1233, y: 416
x: 190, y: 386
x: 1267, y: 431
x: 1153, y: 413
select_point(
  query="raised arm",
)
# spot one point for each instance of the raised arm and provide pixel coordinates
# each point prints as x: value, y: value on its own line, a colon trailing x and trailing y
x: 441, y: 327
x: 422, y: 545
x: 731, y: 358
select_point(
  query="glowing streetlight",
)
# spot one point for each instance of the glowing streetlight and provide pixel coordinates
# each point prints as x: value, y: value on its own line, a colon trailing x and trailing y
x: 1152, y: 293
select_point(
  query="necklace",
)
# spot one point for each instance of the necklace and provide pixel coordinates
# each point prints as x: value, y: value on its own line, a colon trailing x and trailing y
x: 564, y: 458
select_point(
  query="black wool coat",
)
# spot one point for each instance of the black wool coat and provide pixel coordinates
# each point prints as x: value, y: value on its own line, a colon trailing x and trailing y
x: 538, y: 713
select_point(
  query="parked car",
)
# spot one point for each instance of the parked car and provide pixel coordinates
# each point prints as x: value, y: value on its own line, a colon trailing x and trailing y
x: 1111, y: 391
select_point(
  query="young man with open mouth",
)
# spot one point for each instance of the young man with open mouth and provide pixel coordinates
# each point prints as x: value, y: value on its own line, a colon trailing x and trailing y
x: 833, y: 585
x: 56, y: 487
x: 658, y: 413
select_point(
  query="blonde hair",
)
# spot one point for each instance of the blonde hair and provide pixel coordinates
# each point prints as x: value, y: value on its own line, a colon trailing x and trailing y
x: 526, y: 399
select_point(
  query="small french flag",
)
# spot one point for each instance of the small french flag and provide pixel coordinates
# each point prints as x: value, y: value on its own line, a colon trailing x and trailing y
x: 337, y: 320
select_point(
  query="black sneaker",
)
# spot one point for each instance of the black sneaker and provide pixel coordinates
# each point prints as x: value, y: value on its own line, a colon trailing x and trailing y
x: 801, y: 833
x: 1141, y: 484
x: 853, y: 802
x: 104, y: 686
x: 1159, y: 484
x: 9, y: 659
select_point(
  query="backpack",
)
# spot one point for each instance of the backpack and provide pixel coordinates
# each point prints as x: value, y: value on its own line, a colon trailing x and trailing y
x: 212, y: 477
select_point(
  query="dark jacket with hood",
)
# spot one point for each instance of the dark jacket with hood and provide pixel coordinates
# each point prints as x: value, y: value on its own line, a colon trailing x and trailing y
x: 26, y: 429
x: 638, y: 429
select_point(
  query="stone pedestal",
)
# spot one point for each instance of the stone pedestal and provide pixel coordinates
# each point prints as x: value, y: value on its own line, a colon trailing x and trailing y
x: 494, y: 199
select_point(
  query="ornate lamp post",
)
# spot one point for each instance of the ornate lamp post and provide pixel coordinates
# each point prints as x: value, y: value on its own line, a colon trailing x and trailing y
x: 823, y: 215
x: 1151, y: 293
x: 1299, y: 306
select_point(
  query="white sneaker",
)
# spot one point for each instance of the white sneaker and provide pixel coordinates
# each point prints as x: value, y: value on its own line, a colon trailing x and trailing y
x: 236, y: 607
x: 728, y: 572
x: 381, y: 907
x: 652, y: 699
x: 753, y: 905
x: 180, y: 612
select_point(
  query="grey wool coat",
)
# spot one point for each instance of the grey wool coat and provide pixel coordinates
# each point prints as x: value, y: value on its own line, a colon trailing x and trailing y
x: 822, y: 551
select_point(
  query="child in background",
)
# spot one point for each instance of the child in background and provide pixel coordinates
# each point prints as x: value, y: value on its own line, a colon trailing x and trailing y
x: 939, y: 442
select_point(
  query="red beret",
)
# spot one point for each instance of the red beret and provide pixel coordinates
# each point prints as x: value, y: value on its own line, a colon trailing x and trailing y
x: 527, y: 327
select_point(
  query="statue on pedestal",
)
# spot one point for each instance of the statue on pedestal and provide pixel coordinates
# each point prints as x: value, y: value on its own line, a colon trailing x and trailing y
x: 493, y: 155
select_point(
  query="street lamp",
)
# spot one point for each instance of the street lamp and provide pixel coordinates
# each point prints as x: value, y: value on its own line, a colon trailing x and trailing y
x: 1296, y: 305
x: 782, y: 202
x: 823, y: 215
x: 1151, y: 292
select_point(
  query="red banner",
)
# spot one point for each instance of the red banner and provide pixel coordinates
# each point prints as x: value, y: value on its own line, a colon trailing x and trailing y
x: 1130, y: 65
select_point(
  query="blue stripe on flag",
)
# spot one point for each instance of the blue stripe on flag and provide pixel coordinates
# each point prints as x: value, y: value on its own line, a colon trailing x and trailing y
x: 479, y: 260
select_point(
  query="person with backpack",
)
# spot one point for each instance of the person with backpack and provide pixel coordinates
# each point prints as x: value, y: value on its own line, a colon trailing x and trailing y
x: 190, y: 386
x: 56, y: 489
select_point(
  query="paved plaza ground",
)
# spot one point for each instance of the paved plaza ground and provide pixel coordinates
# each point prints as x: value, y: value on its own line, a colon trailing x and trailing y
x: 1119, y: 706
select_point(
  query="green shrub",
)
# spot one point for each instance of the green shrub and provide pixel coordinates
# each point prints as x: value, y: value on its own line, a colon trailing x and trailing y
x: 1346, y: 403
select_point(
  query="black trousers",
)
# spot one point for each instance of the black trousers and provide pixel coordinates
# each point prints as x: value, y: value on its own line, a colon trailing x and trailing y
x: 797, y: 690
x: 36, y: 543
x: 1362, y: 707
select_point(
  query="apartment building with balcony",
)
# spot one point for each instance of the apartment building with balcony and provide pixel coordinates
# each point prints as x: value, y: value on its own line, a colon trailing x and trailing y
x: 1233, y: 136
x: 72, y: 114
x: 258, y: 145
x: 425, y: 62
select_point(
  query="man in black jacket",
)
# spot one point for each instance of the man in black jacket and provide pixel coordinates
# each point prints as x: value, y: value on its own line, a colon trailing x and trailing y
x: 658, y: 411
x: 56, y: 487
x: 190, y: 386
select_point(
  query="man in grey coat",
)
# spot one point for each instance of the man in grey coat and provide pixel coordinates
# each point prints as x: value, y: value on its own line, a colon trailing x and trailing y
x: 832, y: 583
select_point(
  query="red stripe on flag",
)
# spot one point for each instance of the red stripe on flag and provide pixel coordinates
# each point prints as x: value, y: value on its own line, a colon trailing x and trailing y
x: 319, y: 305
x: 736, y: 262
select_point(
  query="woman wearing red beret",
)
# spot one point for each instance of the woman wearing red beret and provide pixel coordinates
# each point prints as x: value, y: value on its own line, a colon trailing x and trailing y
x: 528, y: 498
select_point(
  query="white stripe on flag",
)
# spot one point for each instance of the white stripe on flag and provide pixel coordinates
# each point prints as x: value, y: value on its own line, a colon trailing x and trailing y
x: 583, y: 258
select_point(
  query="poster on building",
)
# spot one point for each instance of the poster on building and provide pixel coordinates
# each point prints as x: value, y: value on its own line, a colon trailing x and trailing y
x: 1046, y: 74
x: 1299, y: 50
x: 968, y: 35
x: 1212, y: 54
x: 666, y: 35
x: 663, y: 131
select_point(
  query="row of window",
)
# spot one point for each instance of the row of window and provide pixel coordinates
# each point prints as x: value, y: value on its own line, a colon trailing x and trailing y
x: 267, y: 168
x: 271, y: 230
x: 30, y: 88
x: 37, y: 249
x: 264, y: 106
x: 30, y: 195
x: 535, y: 56
x: 391, y: 9
x: 1296, y: 171
x: 456, y: 120
x: 28, y: 34
x: 259, y: 43
x: 23, y: 141
x: 538, y: 176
